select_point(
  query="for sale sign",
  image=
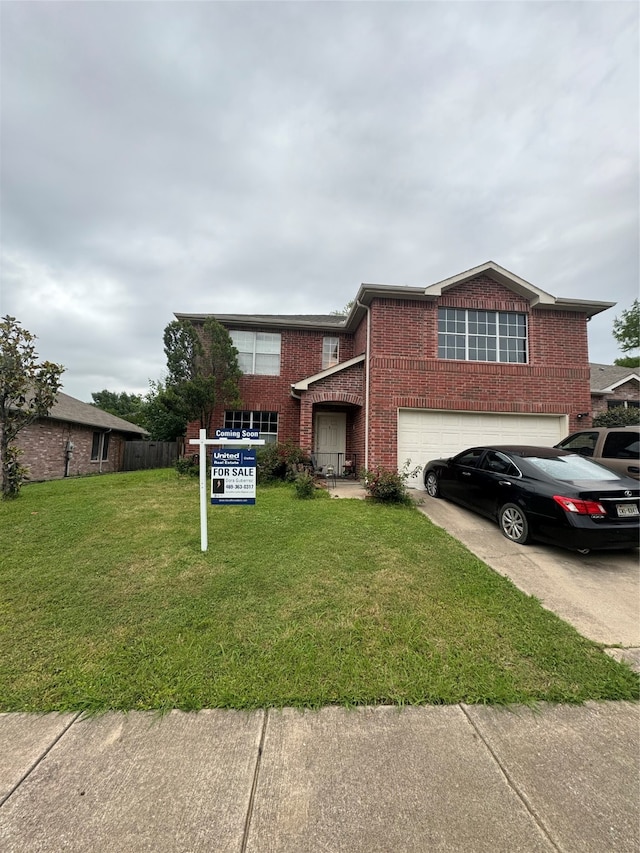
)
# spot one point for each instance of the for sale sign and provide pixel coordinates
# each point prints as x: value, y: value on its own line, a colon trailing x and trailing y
x: 233, y: 477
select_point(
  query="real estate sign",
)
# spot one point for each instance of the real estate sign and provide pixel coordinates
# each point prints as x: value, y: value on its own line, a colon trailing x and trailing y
x: 233, y: 476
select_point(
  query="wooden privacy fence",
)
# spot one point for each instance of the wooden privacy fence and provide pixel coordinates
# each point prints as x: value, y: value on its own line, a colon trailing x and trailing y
x: 139, y: 455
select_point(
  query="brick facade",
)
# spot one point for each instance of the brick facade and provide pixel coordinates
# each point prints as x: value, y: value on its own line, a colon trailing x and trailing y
x: 402, y: 368
x: 44, y: 443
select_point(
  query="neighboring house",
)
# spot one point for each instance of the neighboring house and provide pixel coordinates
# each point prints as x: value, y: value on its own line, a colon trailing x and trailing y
x: 416, y: 372
x: 75, y: 438
x: 613, y: 386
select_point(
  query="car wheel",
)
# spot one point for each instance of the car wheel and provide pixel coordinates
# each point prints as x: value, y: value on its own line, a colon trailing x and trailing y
x: 513, y: 523
x: 431, y: 485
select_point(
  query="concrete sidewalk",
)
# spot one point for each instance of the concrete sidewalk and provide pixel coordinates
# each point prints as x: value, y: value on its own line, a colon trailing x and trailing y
x: 371, y: 780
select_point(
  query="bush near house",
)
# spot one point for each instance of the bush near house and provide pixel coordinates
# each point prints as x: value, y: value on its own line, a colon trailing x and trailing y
x: 389, y: 485
x: 280, y: 461
x: 618, y: 416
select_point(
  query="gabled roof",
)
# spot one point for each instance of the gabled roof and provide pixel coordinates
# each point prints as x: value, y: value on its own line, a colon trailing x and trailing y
x: 605, y: 378
x: 69, y: 409
x: 303, y: 385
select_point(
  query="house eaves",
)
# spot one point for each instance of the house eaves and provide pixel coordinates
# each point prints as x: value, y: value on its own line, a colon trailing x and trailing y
x: 70, y: 410
x: 313, y: 322
x: 303, y: 385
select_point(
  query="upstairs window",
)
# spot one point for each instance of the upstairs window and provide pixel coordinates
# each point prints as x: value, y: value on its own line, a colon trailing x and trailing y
x: 265, y: 422
x: 330, y: 352
x: 258, y: 352
x: 482, y: 335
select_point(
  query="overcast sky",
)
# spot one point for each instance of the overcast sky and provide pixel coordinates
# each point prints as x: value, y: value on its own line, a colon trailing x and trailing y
x: 269, y: 157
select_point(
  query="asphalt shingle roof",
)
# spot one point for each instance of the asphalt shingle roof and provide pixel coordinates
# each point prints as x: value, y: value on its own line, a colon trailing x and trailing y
x: 605, y: 375
x: 67, y: 408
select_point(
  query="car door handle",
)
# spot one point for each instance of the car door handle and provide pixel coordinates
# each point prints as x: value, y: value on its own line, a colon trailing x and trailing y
x: 466, y: 473
x: 634, y: 469
x: 504, y: 483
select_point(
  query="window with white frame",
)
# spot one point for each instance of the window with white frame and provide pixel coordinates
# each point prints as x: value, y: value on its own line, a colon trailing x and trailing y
x: 330, y: 352
x: 482, y: 335
x: 258, y: 352
x: 100, y: 446
x: 265, y: 422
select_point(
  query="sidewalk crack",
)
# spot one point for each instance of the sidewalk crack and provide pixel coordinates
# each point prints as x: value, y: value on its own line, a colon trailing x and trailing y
x: 254, y: 786
x: 40, y: 758
x: 512, y: 783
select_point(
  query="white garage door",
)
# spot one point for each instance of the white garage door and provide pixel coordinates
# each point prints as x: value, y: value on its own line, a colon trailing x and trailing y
x: 425, y: 435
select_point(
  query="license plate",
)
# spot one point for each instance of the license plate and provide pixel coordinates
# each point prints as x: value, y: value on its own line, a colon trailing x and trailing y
x: 627, y: 509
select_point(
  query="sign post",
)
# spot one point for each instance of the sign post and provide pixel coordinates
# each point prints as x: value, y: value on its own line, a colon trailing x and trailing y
x: 233, y: 472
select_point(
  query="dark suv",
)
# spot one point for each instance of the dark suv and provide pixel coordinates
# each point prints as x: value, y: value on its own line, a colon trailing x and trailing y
x: 616, y: 447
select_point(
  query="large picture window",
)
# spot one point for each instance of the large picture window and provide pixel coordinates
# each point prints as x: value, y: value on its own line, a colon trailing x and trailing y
x: 482, y: 335
x: 265, y: 422
x: 258, y: 352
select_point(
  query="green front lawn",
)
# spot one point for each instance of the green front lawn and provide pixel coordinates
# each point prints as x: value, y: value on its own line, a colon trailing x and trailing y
x: 107, y: 602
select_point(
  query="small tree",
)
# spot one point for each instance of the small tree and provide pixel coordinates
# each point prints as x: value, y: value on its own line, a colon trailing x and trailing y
x: 27, y: 391
x: 203, y: 370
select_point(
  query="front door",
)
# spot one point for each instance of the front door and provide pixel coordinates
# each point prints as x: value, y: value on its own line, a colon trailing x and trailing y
x: 331, y: 438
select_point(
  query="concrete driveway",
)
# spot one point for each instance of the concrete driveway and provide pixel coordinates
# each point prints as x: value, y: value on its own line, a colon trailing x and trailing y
x: 597, y: 593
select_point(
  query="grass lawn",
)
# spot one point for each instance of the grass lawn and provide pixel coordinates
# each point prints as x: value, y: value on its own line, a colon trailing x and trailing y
x: 107, y: 602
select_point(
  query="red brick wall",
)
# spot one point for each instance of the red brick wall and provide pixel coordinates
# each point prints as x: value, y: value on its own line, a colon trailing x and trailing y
x: 300, y: 357
x: 555, y: 381
x: 44, y: 443
x: 405, y: 370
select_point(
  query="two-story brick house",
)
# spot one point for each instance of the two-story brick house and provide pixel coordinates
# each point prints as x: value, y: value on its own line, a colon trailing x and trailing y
x: 416, y: 372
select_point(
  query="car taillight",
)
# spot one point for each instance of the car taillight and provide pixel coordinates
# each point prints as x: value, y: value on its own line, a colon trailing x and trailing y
x: 581, y: 507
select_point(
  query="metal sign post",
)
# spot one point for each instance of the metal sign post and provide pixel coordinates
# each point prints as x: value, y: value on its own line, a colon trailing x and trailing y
x: 244, y: 438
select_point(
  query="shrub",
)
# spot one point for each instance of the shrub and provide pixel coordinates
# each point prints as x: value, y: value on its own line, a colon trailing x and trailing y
x: 387, y: 485
x: 305, y: 486
x: 618, y: 416
x: 280, y: 461
x: 188, y: 466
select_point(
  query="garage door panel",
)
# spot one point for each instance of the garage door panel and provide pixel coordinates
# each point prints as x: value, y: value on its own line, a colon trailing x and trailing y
x: 425, y: 435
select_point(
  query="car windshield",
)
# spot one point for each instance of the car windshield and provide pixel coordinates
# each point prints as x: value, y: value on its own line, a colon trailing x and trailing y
x: 571, y: 467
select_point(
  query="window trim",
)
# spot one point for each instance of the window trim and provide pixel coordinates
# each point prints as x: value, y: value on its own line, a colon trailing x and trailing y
x: 100, y: 449
x: 232, y: 421
x: 330, y: 345
x: 255, y: 353
x: 448, y: 348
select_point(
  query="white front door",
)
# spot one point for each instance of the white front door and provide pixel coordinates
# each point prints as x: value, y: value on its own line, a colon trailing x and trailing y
x: 331, y: 439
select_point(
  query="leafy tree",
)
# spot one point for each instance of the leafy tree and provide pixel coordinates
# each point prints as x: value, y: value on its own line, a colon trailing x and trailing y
x: 626, y: 328
x: 130, y: 407
x: 164, y: 415
x: 28, y: 390
x: 628, y: 361
x: 203, y: 369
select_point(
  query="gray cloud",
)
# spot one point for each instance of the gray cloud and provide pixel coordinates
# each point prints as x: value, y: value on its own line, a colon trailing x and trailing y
x: 263, y: 157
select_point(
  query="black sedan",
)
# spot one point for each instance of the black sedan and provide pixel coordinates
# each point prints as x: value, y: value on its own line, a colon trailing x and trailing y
x: 542, y: 493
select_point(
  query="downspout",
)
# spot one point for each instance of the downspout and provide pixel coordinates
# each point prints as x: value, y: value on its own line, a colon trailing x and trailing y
x: 366, y: 385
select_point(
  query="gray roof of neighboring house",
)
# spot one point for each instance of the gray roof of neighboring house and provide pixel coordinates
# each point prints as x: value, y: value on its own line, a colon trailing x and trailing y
x: 604, y: 376
x: 67, y: 408
x: 299, y: 321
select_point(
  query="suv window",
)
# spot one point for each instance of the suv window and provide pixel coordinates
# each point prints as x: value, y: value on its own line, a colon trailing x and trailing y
x: 582, y: 442
x: 621, y: 445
